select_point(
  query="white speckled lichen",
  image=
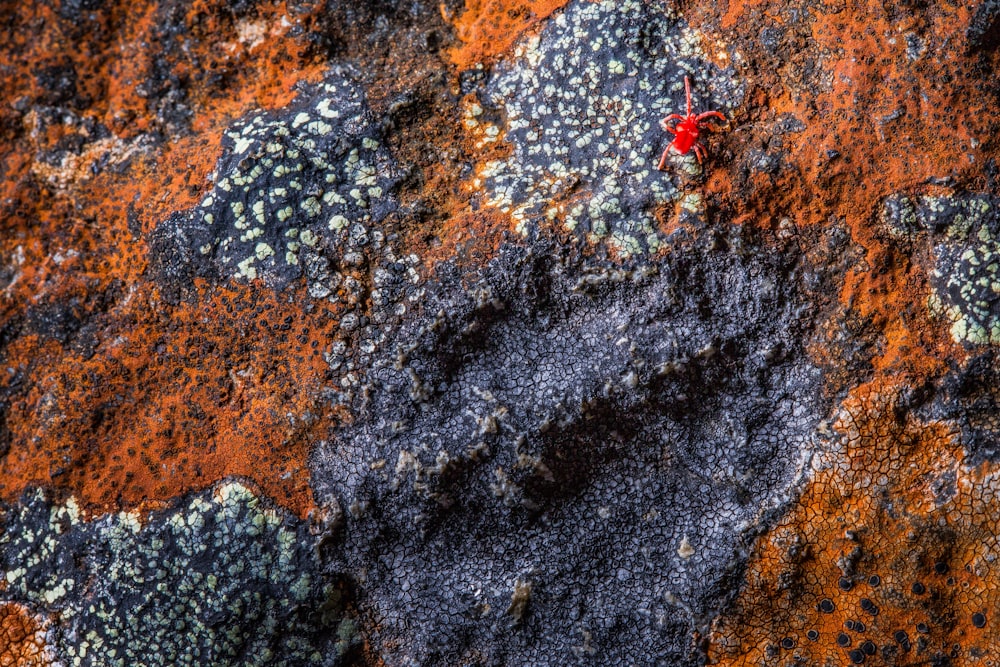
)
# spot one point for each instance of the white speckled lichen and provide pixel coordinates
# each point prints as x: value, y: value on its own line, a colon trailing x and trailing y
x: 582, y: 103
x: 966, y: 277
x: 293, y: 180
x: 301, y: 194
x: 221, y: 580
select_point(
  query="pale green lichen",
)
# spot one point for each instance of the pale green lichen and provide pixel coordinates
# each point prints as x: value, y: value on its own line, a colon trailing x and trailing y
x: 314, y: 165
x: 966, y: 277
x: 584, y: 123
x: 222, y: 580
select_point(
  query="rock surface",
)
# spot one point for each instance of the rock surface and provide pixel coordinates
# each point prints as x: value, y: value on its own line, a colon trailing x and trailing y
x: 368, y: 333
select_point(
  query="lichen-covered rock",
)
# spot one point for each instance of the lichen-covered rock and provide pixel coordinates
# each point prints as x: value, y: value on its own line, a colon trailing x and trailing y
x: 961, y: 227
x: 290, y: 189
x: 368, y: 334
x: 584, y: 123
x: 601, y: 435
x: 966, y: 278
x: 847, y: 575
x: 221, y: 579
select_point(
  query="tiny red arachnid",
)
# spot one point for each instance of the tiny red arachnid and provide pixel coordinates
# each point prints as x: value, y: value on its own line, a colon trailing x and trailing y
x: 688, y: 127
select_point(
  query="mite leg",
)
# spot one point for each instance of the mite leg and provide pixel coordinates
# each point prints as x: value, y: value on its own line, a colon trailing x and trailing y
x: 699, y: 151
x: 663, y: 159
x: 711, y: 114
x: 673, y: 116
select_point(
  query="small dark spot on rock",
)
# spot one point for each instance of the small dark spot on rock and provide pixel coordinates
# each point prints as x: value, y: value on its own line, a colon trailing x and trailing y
x: 787, y: 643
x: 826, y: 606
x: 941, y: 567
x: 869, y: 606
x: 979, y: 619
x: 856, y: 656
x: 874, y: 580
x: 922, y: 628
x: 845, y: 584
x: 433, y: 41
x: 918, y: 588
x: 868, y: 648
x: 812, y: 635
x: 59, y: 84
x: 843, y: 639
x: 849, y: 624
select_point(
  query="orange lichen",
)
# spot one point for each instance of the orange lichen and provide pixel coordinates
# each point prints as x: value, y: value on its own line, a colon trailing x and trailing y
x: 487, y: 28
x: 22, y: 638
x: 894, y: 534
x: 888, y: 102
x: 131, y: 410
x: 877, y: 91
x: 171, y: 399
x: 458, y: 228
x: 91, y: 204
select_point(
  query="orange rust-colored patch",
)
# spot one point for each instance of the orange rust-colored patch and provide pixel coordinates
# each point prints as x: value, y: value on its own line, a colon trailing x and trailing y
x: 458, y: 226
x: 735, y: 11
x: 470, y: 238
x: 893, y: 542
x: 22, y: 638
x: 487, y: 28
x: 83, y: 200
x: 887, y: 101
x: 171, y: 399
x: 130, y: 409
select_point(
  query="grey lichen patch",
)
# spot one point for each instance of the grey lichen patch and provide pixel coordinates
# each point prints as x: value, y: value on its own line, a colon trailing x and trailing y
x: 607, y: 436
x: 582, y: 103
x: 291, y: 188
x: 222, y: 579
x: 966, y: 275
x: 906, y: 217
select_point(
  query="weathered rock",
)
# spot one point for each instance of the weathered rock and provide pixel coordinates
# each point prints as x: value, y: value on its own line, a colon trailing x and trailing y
x: 367, y: 333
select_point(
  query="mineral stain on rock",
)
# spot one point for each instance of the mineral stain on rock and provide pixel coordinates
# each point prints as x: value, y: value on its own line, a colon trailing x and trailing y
x: 366, y: 334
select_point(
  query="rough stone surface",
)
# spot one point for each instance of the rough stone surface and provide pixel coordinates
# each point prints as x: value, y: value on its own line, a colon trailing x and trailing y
x: 565, y: 108
x: 622, y: 430
x: 341, y: 333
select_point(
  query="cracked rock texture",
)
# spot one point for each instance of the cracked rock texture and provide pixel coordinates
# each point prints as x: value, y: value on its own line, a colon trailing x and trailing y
x: 339, y: 333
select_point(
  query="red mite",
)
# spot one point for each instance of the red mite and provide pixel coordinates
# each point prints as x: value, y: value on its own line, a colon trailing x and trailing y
x: 686, y: 133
